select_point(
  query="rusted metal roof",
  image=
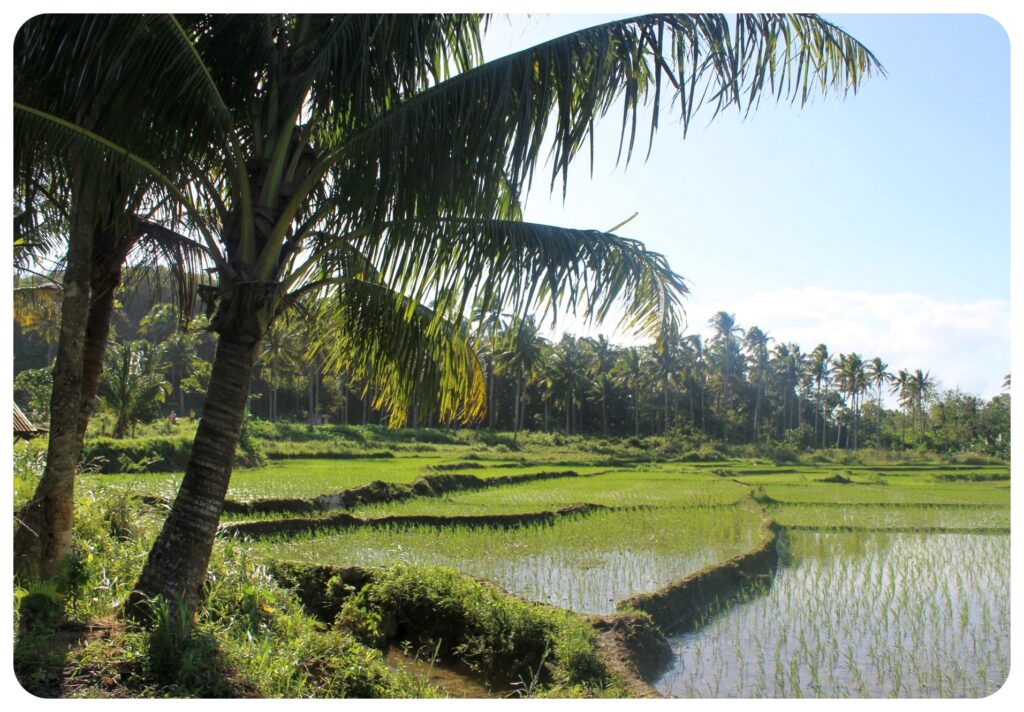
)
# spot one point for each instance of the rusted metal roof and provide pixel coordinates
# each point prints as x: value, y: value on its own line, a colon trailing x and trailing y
x: 23, y: 426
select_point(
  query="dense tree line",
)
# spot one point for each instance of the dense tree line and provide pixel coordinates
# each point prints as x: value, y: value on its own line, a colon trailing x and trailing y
x: 738, y: 386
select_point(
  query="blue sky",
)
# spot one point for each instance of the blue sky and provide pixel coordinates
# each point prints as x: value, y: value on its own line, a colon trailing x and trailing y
x: 879, y: 223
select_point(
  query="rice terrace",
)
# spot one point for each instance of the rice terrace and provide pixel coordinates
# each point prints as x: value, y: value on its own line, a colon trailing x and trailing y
x: 299, y: 409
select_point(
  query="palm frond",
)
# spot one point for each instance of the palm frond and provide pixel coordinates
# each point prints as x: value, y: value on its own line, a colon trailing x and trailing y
x: 496, y: 119
x: 524, y: 268
x: 402, y: 352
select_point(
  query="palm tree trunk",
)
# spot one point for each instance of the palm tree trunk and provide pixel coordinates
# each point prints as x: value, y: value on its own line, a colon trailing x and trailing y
x: 518, y: 403
x: 568, y: 414
x: 43, y: 537
x: 97, y: 328
x: 177, y: 563
x: 636, y: 410
x: 664, y: 393
x: 604, y: 409
x: 757, y: 414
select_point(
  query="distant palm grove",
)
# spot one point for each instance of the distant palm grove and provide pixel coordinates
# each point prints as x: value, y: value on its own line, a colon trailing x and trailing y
x: 739, y: 386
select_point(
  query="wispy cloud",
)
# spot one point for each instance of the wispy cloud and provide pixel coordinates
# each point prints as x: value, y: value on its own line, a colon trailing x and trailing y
x: 962, y: 344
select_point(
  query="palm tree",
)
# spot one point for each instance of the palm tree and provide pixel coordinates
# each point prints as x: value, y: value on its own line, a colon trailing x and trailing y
x: 521, y: 352
x: 878, y: 374
x: 755, y: 343
x: 131, y: 384
x: 922, y: 387
x: 629, y: 372
x: 64, y: 103
x: 667, y: 365
x: 819, y: 365
x: 900, y: 386
x: 852, y: 379
x: 725, y: 347
x: 306, y: 169
x: 602, y: 357
x: 695, y: 357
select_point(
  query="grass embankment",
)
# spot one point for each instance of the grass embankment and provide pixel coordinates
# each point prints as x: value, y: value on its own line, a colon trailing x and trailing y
x: 253, y: 637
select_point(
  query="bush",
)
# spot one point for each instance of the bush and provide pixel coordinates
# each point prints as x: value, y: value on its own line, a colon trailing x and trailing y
x: 505, y: 639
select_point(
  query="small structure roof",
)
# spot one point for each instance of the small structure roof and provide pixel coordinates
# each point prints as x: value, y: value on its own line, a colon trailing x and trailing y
x: 23, y: 427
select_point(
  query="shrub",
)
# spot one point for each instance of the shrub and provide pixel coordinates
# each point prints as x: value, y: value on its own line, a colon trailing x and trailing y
x: 505, y: 639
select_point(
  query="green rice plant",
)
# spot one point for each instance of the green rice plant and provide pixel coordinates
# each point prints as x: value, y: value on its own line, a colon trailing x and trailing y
x: 861, y: 615
x: 924, y: 518
x: 583, y: 562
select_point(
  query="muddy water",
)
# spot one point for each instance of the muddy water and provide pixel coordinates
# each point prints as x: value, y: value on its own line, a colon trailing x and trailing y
x: 860, y: 615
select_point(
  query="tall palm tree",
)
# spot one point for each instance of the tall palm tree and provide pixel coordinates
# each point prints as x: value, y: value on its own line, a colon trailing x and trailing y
x: 878, y: 374
x: 852, y: 379
x: 65, y: 104
x: 902, y: 388
x: 307, y: 166
x: 667, y: 365
x: 725, y: 346
x: 755, y: 343
x: 696, y: 359
x: 922, y: 386
x: 569, y: 367
x: 629, y: 372
x: 819, y: 366
x: 602, y: 360
x: 521, y: 352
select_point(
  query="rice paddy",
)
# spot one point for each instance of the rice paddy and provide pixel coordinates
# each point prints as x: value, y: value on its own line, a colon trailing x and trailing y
x: 586, y: 563
x: 854, y: 615
x: 892, y: 581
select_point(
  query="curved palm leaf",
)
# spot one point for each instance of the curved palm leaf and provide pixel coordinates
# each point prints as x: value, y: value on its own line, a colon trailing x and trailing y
x: 400, y: 349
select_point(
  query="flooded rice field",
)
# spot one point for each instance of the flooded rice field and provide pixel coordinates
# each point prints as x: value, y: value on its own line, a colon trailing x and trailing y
x: 859, y: 615
x: 584, y: 563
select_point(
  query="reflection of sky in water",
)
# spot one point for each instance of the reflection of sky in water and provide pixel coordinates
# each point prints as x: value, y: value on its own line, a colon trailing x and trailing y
x: 907, y: 615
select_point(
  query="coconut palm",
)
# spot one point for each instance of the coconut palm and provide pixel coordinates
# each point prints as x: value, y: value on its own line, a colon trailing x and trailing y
x: 695, y: 357
x: 65, y: 104
x: 629, y: 373
x: 900, y: 386
x: 819, y: 366
x: 521, y: 353
x: 725, y: 348
x: 922, y: 387
x: 878, y: 374
x: 851, y: 377
x: 131, y: 384
x: 755, y: 343
x: 601, y: 359
x: 310, y: 163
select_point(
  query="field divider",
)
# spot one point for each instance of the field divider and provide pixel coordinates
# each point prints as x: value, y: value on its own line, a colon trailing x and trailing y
x: 769, y: 500
x: 378, y: 492
x: 683, y: 602
x: 631, y: 646
x: 897, y: 530
x: 274, y: 527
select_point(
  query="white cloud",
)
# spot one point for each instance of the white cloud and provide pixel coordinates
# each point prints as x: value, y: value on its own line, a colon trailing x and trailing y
x: 962, y: 344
